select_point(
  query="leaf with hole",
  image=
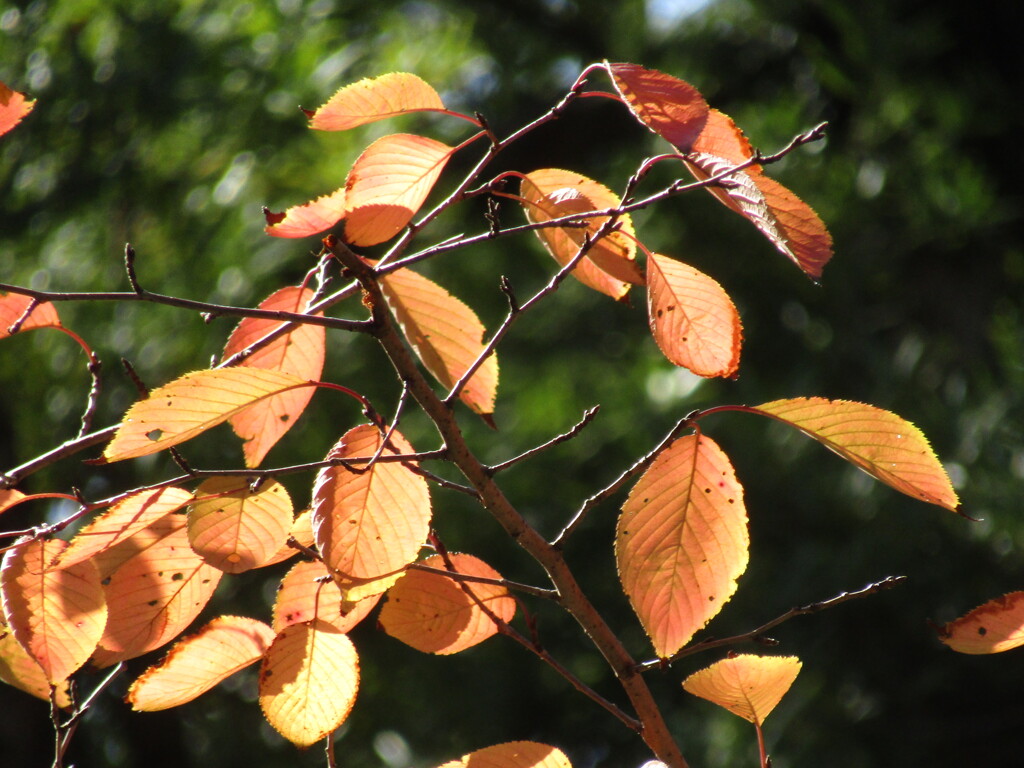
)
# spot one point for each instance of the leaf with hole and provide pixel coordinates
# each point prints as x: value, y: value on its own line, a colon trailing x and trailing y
x: 994, y: 627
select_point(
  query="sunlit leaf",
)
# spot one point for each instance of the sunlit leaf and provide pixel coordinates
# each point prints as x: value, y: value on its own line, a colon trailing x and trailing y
x: 445, y: 334
x: 197, y: 663
x: 692, y: 318
x: 996, y: 626
x: 9, y: 497
x: 13, y: 107
x: 308, y: 681
x: 513, y: 754
x: 308, y: 592
x: 670, y: 107
x: 388, y: 183
x: 308, y: 219
x: 371, y: 523
x: 434, y: 614
x: 12, y: 308
x: 370, y: 99
x: 881, y: 443
x: 57, y: 615
x: 19, y: 669
x: 301, y: 530
x: 192, y: 404
x: 681, y: 541
x: 746, y: 685
x: 234, y: 529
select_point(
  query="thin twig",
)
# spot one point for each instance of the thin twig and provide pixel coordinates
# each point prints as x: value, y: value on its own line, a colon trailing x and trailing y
x: 547, y: 594
x: 129, y: 267
x: 14, y: 327
x: 588, y: 416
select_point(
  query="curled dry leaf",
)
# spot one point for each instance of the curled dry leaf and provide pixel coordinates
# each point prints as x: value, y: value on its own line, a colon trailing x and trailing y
x: 308, y: 592
x: 13, y: 107
x: 311, y: 218
x: 887, y: 447
x: 996, y: 626
x: 12, y: 309
x: 747, y: 685
x: 513, y: 754
x: 370, y: 99
x: 670, y: 107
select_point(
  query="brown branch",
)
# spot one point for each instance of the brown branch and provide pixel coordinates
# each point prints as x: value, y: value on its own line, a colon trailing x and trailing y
x: 588, y: 416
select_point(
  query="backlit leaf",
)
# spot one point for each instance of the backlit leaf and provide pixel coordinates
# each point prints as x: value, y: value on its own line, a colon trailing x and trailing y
x: 681, y: 541
x: 197, y: 663
x: 692, y: 318
x: 9, y: 497
x: 57, y: 615
x: 308, y: 219
x: 372, y: 523
x: 996, y: 626
x: 747, y: 685
x: 301, y: 530
x: 881, y: 443
x: 13, y: 107
x: 513, y: 754
x: 670, y: 107
x: 235, y: 530
x: 192, y: 404
x: 370, y: 99
x: 155, y: 593
x: 388, y: 183
x: 434, y: 614
x: 308, y: 592
x: 19, y: 669
x: 445, y: 334
x: 13, y: 306
x: 308, y: 681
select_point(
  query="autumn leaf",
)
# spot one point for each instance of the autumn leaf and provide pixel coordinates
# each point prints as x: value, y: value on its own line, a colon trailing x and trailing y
x: 388, y: 183
x: 197, y: 663
x: 308, y: 592
x: 881, y: 443
x: 692, y: 318
x: 372, y: 523
x: 308, y: 681
x: 13, y: 107
x: 670, y: 107
x: 192, y: 404
x: 747, y: 685
x: 434, y: 614
x: 513, y: 754
x: 13, y: 306
x: 301, y: 530
x: 445, y: 334
x: 56, y: 615
x: 996, y: 626
x: 681, y: 541
x: 311, y: 218
x: 19, y: 669
x: 370, y: 99
x: 9, y: 497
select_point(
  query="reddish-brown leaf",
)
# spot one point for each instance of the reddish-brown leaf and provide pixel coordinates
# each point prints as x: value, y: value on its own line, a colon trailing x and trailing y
x: 19, y: 669
x: 308, y: 219
x: 308, y: 592
x: 681, y: 541
x: 395, y: 93
x: 12, y: 308
x: 804, y: 237
x: 434, y: 614
x: 13, y: 107
x: 996, y: 626
x: 388, y: 183
x: 887, y: 447
x: 197, y: 663
x: 692, y: 318
x: 747, y: 685
x: 513, y: 754
x: 670, y: 107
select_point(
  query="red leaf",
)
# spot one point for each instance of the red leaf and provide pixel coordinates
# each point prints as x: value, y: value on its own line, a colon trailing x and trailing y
x: 396, y: 93
x: 309, y: 219
x: 13, y: 107
x: 670, y: 107
x: 996, y: 626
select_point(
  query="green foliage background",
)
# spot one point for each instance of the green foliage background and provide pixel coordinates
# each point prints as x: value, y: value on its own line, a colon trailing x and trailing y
x: 168, y: 125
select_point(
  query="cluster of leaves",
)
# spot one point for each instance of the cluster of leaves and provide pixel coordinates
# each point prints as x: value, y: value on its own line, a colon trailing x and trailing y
x: 137, y: 574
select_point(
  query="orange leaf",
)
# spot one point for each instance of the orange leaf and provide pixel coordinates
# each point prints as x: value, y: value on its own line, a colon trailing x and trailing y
x: 121, y: 522
x: 513, y: 754
x: 692, y: 318
x: 681, y: 541
x: 154, y: 594
x: 9, y: 497
x: 722, y: 138
x: 805, y: 239
x: 309, y: 219
x: 56, y: 615
x: 308, y: 681
x: 19, y: 669
x: 308, y: 592
x: 371, y: 523
x: 13, y: 107
x: 670, y: 107
x: 445, y: 333
x: 301, y: 530
x: 235, y: 530
x: 192, y: 404
x: 885, y: 446
x: 13, y: 306
x: 996, y: 626
x: 433, y: 613
x: 370, y: 99
x: 197, y: 663
x: 388, y: 183
x: 746, y: 685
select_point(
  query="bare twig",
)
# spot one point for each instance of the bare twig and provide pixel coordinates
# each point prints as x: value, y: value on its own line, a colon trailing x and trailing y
x: 588, y: 416
x: 129, y: 267
x: 14, y: 327
x: 547, y: 594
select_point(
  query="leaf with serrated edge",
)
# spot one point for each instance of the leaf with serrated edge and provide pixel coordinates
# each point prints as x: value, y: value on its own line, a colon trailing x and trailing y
x: 445, y: 334
x: 308, y: 592
x: 19, y: 669
x: 13, y: 306
x: 307, y: 219
x: 197, y: 663
x: 433, y: 614
x: 13, y: 107
x: 692, y: 318
x: 887, y: 447
x: 681, y: 541
x: 370, y: 99
x: 670, y: 107
x: 994, y: 627
x: 388, y: 183
x: 747, y: 685
x: 192, y: 404
x: 57, y: 615
x: 308, y: 681
x: 513, y: 754
x: 234, y: 529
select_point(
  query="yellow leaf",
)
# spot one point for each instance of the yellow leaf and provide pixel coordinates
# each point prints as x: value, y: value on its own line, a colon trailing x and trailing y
x: 513, y: 754
x: 996, y: 626
x: 19, y: 669
x: 308, y: 592
x: 395, y: 93
x: 746, y: 685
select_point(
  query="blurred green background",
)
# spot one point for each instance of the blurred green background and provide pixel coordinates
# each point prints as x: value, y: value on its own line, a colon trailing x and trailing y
x: 168, y: 125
